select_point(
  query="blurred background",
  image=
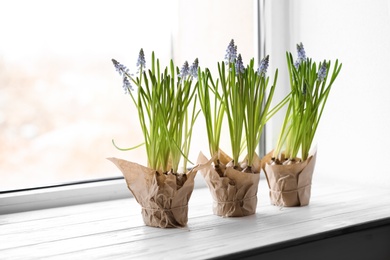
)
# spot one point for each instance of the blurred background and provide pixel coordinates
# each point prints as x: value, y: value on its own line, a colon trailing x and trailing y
x: 62, y: 102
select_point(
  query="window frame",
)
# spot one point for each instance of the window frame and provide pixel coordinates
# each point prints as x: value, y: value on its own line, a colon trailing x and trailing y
x: 62, y: 195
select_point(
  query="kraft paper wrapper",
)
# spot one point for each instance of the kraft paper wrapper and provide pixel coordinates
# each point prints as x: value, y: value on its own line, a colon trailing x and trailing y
x: 290, y: 185
x: 231, y: 199
x: 163, y: 204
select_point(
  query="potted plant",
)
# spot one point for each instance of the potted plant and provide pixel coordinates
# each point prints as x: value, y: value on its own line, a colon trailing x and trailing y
x: 241, y: 95
x: 166, y: 104
x: 289, y: 174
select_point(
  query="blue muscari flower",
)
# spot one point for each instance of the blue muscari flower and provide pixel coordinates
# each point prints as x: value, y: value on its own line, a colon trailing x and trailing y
x: 185, y: 71
x: 301, y: 55
x: 262, y: 70
x: 240, y: 69
x: 127, y: 85
x: 231, y: 53
x: 194, y: 68
x: 301, y: 52
x: 141, y: 60
x: 322, y: 72
x: 124, y: 72
x: 119, y: 67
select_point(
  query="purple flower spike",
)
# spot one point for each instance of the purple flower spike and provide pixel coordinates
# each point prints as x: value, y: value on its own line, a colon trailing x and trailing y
x: 124, y: 72
x: 301, y: 52
x: 262, y: 70
x: 240, y: 69
x: 194, y: 68
x: 185, y: 71
x: 301, y: 55
x: 127, y: 85
x: 231, y: 53
x: 120, y: 67
x: 141, y: 60
x: 322, y: 72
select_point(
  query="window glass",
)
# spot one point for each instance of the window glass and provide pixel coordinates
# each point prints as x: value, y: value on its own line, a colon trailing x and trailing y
x: 353, y: 133
x: 352, y: 136
x: 61, y: 100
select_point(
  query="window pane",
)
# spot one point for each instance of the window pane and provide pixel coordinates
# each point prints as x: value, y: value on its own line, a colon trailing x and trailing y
x: 352, y: 136
x: 61, y: 100
x: 353, y: 132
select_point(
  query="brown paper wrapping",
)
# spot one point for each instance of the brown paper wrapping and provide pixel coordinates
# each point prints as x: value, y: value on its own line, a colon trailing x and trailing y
x: 163, y: 203
x: 289, y: 185
x: 235, y: 194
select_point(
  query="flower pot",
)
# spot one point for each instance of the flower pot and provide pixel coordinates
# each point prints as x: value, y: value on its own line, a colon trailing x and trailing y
x: 235, y: 193
x: 163, y: 197
x: 290, y: 183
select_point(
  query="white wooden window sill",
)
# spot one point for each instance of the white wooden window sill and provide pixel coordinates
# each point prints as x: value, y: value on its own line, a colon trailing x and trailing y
x: 341, y: 222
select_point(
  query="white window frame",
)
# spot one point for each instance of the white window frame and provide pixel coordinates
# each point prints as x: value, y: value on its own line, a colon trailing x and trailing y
x: 62, y: 195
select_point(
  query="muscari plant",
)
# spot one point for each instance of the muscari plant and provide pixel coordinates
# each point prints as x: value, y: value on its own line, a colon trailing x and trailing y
x: 242, y: 96
x: 166, y: 104
x: 310, y: 88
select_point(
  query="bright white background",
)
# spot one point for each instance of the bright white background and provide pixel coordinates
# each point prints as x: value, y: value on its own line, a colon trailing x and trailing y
x: 61, y: 100
x: 353, y: 136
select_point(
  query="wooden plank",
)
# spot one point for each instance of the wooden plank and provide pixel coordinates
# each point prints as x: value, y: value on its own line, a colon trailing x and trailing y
x: 115, y: 229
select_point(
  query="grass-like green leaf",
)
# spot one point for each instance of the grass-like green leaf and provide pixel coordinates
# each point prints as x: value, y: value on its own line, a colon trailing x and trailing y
x: 309, y: 93
x: 166, y: 105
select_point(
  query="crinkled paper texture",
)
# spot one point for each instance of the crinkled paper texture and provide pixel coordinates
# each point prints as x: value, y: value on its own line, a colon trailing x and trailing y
x: 234, y: 195
x: 290, y: 185
x: 163, y: 204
